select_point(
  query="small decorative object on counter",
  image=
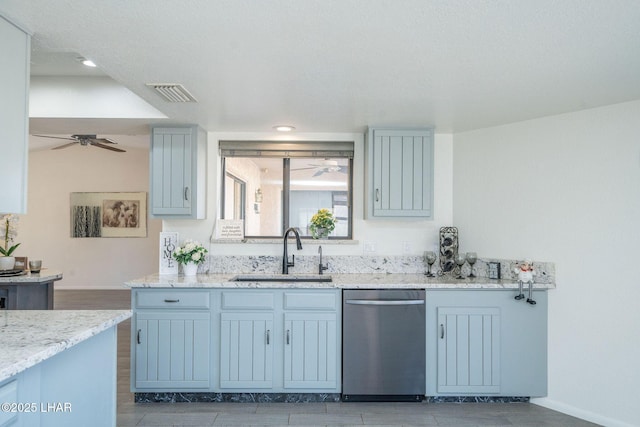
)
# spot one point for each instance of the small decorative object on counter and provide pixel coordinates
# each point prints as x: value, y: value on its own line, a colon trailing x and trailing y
x: 472, y: 257
x: 493, y: 270
x: 430, y: 258
x: 8, y: 233
x: 322, y: 223
x: 525, y: 274
x: 190, y: 254
x: 448, y: 249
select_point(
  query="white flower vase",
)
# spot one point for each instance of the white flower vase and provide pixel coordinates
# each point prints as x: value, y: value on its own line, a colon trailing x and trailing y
x: 190, y: 269
x: 7, y: 262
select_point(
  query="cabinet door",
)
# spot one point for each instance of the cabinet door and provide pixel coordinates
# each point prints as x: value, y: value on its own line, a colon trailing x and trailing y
x: 310, y: 350
x: 172, y: 161
x: 468, y: 350
x: 246, y: 350
x: 15, y: 45
x: 400, y: 165
x: 172, y: 350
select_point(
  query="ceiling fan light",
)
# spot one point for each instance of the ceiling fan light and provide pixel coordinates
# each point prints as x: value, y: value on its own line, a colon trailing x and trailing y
x: 89, y: 63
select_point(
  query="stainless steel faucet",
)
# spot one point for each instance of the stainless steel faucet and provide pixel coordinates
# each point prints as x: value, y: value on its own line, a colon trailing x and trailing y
x: 321, y: 267
x: 285, y: 258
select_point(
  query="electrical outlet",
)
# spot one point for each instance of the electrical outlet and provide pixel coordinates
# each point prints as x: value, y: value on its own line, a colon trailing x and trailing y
x: 368, y: 247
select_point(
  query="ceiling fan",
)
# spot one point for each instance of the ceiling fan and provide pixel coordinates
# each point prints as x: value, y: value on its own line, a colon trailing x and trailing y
x: 86, y: 140
x: 325, y: 166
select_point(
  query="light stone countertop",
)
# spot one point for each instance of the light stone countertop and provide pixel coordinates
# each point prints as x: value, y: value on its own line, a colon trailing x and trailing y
x: 340, y: 281
x: 28, y: 337
x: 45, y: 275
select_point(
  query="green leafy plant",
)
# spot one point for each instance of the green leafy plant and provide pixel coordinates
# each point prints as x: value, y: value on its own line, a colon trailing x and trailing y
x: 323, y: 219
x: 8, y: 232
x: 191, y: 251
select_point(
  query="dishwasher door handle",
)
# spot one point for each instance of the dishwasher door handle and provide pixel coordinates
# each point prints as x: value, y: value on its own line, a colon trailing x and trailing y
x: 385, y: 302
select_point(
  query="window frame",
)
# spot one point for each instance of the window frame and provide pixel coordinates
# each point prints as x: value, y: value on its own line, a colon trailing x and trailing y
x: 286, y: 151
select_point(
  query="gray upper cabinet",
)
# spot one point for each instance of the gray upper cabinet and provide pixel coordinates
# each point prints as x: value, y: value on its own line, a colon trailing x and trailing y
x: 178, y: 156
x: 399, y: 166
x: 14, y: 116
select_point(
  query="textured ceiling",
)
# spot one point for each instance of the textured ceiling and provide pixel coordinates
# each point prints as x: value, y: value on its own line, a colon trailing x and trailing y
x: 340, y: 65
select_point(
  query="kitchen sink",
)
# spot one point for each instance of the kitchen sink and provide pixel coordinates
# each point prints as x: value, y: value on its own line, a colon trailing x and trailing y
x: 281, y: 278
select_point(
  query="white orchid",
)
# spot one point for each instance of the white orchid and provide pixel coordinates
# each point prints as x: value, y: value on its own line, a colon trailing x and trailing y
x: 8, y: 233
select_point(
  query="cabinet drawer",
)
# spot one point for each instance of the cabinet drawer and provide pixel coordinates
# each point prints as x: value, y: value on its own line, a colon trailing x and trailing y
x: 310, y: 301
x: 172, y: 299
x: 245, y: 300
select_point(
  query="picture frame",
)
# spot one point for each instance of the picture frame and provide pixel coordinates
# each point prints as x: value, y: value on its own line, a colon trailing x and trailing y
x: 116, y: 214
x: 493, y: 270
x: 22, y: 263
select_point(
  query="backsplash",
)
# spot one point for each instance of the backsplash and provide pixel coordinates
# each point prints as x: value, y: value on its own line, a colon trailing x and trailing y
x: 350, y: 264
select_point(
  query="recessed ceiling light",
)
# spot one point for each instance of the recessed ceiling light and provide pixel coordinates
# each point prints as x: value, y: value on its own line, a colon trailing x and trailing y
x: 284, y: 128
x: 88, y: 63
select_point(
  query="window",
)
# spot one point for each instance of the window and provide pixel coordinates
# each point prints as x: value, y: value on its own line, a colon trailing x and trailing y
x: 283, y: 185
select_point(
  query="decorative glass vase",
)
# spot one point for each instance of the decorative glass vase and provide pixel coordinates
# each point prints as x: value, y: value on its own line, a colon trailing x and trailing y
x: 320, y: 233
x: 7, y: 262
x: 190, y: 269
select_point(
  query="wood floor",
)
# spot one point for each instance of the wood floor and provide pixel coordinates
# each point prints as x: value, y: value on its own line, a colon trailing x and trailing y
x: 305, y: 414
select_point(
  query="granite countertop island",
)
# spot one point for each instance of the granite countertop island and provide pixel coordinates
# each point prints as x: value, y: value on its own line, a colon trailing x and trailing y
x: 29, y: 337
x: 339, y: 281
x: 45, y: 275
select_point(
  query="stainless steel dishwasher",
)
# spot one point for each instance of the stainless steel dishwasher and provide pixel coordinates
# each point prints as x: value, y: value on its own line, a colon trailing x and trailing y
x: 383, y: 345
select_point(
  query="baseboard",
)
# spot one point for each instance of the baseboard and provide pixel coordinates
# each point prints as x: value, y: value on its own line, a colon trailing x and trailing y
x: 579, y: 413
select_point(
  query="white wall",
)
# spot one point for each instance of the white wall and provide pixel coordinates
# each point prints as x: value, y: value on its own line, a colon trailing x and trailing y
x: 566, y: 189
x: 89, y: 263
x: 387, y: 235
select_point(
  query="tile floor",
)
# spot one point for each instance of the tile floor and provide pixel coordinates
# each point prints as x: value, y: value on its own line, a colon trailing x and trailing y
x: 303, y: 414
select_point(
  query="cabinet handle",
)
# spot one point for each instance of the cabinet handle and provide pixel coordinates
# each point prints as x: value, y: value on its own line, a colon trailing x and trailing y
x: 172, y: 300
x: 441, y: 331
x: 288, y: 337
x: 377, y: 194
x: 268, y: 336
x: 186, y: 193
x: 138, y: 336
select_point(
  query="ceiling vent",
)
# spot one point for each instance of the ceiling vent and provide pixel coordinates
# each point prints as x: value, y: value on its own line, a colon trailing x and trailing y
x: 172, y: 92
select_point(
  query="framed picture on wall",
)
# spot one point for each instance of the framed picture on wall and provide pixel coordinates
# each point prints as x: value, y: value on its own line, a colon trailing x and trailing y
x: 109, y: 214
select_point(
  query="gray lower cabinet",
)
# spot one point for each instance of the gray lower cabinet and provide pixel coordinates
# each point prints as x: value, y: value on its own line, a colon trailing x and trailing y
x: 486, y: 343
x: 171, y: 340
x: 246, y: 350
x: 280, y: 340
x: 468, y: 350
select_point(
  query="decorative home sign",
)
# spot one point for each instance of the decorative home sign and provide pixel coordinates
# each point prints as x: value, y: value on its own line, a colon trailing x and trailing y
x: 109, y: 214
x: 493, y: 270
x: 229, y: 229
x: 168, y: 245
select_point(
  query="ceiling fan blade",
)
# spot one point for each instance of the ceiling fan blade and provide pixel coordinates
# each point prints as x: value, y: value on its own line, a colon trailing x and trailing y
x: 320, y: 172
x: 55, y: 137
x: 98, y: 144
x: 65, y: 145
x: 104, y: 140
x: 302, y: 169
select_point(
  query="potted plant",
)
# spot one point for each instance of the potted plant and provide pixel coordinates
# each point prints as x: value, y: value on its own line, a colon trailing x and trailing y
x: 322, y: 223
x: 190, y: 254
x: 8, y: 232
